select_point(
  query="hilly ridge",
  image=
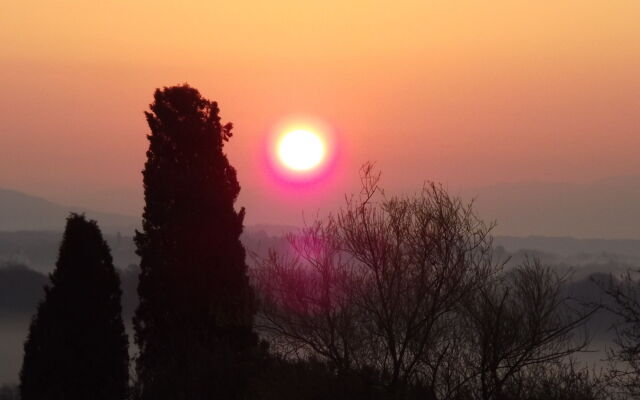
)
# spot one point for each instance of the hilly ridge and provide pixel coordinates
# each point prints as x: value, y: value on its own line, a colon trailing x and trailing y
x: 23, y: 212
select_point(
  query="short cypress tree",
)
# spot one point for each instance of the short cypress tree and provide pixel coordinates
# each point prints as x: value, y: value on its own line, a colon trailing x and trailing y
x: 77, y: 347
x: 194, y: 321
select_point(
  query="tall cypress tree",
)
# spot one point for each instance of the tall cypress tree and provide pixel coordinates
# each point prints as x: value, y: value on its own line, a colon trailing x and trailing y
x: 77, y: 347
x: 194, y: 321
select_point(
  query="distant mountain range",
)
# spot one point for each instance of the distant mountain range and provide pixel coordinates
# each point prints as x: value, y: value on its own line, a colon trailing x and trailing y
x: 22, y: 212
x: 608, y: 208
x: 569, y: 246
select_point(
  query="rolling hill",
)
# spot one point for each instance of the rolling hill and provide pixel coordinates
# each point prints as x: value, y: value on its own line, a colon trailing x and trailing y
x: 23, y: 212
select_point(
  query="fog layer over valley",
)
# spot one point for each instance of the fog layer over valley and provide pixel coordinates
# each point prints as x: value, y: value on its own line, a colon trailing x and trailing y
x: 26, y: 257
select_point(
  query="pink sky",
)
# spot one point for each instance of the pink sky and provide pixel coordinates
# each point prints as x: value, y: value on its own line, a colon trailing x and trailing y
x: 463, y: 92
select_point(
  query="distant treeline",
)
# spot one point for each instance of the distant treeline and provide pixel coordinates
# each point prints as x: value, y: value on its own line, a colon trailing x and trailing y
x: 21, y: 289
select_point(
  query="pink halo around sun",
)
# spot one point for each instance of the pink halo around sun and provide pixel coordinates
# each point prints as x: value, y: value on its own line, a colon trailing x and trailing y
x: 301, y: 152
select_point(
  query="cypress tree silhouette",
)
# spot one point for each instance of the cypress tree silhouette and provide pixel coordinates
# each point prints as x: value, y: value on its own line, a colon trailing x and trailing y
x: 77, y: 347
x: 194, y: 321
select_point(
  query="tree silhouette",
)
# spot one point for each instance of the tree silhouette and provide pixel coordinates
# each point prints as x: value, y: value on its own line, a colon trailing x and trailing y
x: 405, y: 289
x: 376, y: 286
x: 194, y: 322
x: 77, y: 346
x: 624, y: 357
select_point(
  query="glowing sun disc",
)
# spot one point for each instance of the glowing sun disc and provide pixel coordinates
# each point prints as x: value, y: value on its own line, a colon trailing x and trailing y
x: 301, y: 150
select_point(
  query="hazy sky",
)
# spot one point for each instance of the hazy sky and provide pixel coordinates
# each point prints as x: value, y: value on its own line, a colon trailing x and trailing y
x: 469, y: 93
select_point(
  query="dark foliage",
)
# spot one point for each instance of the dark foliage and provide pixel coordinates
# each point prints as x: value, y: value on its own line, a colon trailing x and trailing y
x: 9, y: 392
x: 557, y: 381
x: 77, y: 346
x: 20, y: 289
x: 313, y: 379
x: 194, y: 321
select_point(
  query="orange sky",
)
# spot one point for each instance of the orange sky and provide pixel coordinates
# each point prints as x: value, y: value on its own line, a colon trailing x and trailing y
x: 469, y: 93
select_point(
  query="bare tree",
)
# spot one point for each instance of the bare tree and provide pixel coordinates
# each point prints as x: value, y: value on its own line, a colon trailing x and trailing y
x: 558, y: 380
x: 307, y: 300
x: 521, y: 320
x: 406, y: 286
x: 625, y: 357
x: 375, y: 285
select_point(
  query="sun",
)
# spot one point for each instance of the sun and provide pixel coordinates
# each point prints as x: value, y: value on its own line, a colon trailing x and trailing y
x: 301, y: 150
